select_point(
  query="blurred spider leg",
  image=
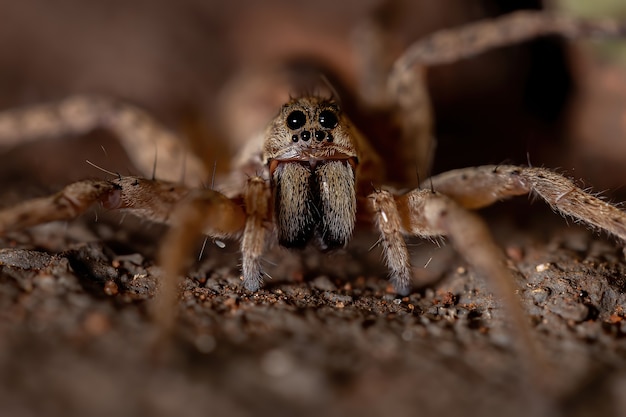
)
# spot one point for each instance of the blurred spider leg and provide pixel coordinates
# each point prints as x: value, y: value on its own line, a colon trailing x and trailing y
x: 472, y: 239
x: 407, y: 86
x: 404, y: 93
x: 137, y: 131
x: 415, y: 116
x: 202, y: 211
x: 374, y: 44
x: 450, y: 45
x: 481, y: 186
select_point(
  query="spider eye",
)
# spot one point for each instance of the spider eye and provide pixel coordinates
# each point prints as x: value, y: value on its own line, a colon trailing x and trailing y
x: 296, y: 119
x: 328, y: 119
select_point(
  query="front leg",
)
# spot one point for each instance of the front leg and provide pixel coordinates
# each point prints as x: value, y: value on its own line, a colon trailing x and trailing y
x: 202, y: 211
x: 426, y: 213
x: 429, y: 214
x: 189, y: 212
x: 257, y: 201
x: 211, y: 213
x: 391, y: 225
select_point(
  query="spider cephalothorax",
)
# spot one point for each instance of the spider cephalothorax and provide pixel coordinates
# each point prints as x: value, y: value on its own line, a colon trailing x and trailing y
x: 312, y: 159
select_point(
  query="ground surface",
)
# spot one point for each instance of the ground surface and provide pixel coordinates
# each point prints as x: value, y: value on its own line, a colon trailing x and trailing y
x: 76, y: 338
x: 325, y: 336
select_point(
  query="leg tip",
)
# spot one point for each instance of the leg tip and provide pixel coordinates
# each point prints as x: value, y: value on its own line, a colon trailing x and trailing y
x: 252, y: 284
x: 402, y: 291
x: 401, y: 285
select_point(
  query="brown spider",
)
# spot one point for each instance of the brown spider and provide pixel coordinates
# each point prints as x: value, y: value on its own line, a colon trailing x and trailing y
x: 309, y: 177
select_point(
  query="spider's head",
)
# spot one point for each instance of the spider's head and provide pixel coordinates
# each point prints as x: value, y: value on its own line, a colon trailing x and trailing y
x: 311, y: 154
x: 309, y: 129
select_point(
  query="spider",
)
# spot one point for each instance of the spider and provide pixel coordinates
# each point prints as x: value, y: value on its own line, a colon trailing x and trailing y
x: 307, y: 180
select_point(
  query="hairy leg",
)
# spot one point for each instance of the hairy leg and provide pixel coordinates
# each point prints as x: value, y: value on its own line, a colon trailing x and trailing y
x: 481, y: 186
x: 150, y: 199
x: 67, y: 204
x: 190, y: 212
x: 202, y: 211
x: 211, y: 213
x: 148, y: 143
x: 389, y: 223
x: 426, y: 213
x: 443, y: 212
x: 257, y: 202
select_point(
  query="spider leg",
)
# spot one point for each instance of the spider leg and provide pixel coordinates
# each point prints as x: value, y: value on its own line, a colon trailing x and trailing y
x: 445, y: 212
x: 67, y: 204
x: 210, y: 212
x: 147, y: 142
x: 407, y: 88
x: 404, y: 93
x: 149, y: 199
x: 473, y: 188
x: 190, y: 212
x: 389, y: 224
x: 481, y: 186
x: 256, y: 198
x: 450, y: 45
x: 427, y: 213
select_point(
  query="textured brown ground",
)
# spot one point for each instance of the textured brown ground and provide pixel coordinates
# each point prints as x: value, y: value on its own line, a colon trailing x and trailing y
x: 325, y: 336
x: 76, y: 338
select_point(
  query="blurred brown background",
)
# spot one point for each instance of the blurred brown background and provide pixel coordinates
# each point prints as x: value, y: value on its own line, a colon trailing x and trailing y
x: 181, y: 61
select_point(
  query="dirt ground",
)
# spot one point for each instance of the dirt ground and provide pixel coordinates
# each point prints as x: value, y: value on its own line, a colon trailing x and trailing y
x: 77, y: 338
x: 326, y: 335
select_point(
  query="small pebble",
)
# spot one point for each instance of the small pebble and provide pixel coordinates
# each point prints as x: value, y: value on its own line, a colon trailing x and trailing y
x: 540, y: 294
x: 110, y: 288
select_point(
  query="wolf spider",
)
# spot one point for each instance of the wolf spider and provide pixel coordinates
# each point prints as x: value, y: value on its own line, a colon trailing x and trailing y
x: 309, y: 178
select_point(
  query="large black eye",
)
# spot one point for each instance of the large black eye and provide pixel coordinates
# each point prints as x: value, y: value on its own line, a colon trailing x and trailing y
x: 296, y: 119
x: 328, y: 119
